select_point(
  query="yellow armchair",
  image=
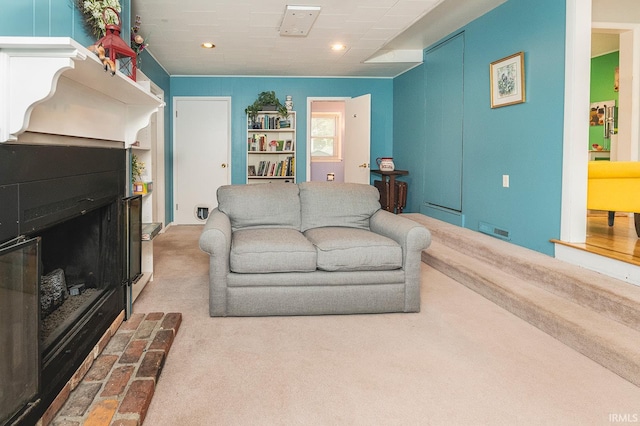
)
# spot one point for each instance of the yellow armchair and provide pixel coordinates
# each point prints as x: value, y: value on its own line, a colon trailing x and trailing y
x: 614, y: 186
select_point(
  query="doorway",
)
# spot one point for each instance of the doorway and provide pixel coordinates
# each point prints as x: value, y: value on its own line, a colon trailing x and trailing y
x: 339, y: 139
x: 201, y: 147
x: 580, y: 23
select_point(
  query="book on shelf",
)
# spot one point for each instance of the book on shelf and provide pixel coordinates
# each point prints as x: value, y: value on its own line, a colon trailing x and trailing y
x: 150, y: 230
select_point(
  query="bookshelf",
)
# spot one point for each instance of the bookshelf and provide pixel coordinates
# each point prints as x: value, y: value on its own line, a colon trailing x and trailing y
x: 149, y: 148
x: 271, y: 148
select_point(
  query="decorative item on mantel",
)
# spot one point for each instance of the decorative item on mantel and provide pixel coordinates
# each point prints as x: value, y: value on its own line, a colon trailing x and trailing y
x: 94, y: 14
x: 116, y: 49
x: 137, y: 41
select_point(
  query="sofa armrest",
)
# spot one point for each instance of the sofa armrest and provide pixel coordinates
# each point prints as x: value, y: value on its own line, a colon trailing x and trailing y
x: 216, y: 241
x: 413, y: 238
x: 216, y: 234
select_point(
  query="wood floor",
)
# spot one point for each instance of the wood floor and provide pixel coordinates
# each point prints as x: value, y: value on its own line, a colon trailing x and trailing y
x: 618, y: 242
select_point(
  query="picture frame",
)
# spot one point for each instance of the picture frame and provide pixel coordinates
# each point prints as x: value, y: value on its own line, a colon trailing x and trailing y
x: 252, y: 170
x: 288, y: 145
x: 507, y: 81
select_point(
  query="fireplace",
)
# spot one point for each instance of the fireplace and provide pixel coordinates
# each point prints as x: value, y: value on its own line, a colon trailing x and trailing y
x: 62, y: 266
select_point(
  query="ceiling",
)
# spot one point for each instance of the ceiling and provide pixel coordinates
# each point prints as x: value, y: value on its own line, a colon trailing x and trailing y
x: 383, y: 38
x: 603, y: 42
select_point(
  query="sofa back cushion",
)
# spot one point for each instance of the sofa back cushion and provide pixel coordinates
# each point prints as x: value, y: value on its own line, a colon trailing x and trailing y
x: 270, y: 205
x: 337, y: 204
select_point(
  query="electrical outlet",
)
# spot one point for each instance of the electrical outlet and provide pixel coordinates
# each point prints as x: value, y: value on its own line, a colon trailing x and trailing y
x: 505, y: 181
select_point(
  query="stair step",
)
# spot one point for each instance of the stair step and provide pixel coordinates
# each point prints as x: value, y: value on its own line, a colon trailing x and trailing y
x: 612, y: 298
x: 604, y: 340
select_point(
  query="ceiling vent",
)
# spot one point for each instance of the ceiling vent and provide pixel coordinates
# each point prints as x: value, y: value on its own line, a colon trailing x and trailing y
x: 298, y: 20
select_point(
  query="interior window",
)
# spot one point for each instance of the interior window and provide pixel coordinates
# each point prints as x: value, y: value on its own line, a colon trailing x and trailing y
x: 325, y: 136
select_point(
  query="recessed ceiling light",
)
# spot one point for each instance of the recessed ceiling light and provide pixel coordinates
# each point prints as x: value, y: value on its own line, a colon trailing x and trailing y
x: 207, y: 45
x: 338, y: 46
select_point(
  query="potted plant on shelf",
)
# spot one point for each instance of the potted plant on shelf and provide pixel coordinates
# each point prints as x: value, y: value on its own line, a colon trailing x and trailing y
x: 137, y: 169
x: 252, y: 111
x: 266, y: 101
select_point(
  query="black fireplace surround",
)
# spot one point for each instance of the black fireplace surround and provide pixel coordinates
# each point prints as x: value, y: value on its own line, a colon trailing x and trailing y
x: 66, y: 201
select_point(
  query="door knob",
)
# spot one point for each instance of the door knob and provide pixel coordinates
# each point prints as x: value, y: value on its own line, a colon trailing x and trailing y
x: 364, y: 165
x: 224, y: 165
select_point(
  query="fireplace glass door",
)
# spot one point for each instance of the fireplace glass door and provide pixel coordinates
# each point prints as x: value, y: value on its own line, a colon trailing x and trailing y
x: 19, y: 323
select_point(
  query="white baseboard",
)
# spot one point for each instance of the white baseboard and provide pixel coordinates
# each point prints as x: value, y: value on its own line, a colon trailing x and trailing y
x: 604, y: 265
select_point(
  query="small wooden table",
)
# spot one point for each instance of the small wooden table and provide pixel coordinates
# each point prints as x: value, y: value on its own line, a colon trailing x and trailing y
x: 391, y: 203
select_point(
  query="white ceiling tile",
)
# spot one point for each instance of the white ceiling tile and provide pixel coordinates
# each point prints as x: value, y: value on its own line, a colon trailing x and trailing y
x: 247, y: 40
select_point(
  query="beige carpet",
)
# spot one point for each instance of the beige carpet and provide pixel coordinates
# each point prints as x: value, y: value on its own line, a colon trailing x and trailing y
x: 461, y: 361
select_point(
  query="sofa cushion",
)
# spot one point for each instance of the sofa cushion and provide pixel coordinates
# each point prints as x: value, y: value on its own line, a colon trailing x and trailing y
x: 273, y: 205
x: 265, y: 250
x: 352, y: 249
x: 337, y: 204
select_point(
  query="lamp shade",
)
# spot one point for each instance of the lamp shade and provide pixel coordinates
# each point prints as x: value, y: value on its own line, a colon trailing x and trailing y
x: 116, y: 49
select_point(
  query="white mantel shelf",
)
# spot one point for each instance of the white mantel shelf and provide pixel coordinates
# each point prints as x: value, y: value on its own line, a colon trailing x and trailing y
x: 55, y: 85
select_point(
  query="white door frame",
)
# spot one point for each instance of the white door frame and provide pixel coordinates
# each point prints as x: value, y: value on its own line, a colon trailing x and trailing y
x: 173, y: 144
x: 309, y: 101
x: 573, y: 222
x: 573, y: 219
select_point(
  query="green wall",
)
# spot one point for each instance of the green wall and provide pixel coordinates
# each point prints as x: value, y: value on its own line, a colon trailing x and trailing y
x: 602, y: 89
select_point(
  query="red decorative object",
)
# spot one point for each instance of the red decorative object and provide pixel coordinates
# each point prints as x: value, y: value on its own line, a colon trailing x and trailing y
x: 117, y: 49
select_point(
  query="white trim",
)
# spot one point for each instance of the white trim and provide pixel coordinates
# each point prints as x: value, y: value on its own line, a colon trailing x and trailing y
x: 292, y: 76
x: 575, y: 154
x: 309, y: 101
x: 573, y: 221
x: 604, y: 265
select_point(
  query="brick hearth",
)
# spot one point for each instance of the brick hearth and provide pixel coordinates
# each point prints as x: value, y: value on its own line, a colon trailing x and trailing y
x: 115, y: 384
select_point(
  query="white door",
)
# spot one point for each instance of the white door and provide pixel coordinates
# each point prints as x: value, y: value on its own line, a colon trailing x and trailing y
x: 201, y: 142
x: 358, y: 139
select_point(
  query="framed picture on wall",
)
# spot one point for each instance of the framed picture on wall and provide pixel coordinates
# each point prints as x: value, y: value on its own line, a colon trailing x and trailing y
x: 507, y: 80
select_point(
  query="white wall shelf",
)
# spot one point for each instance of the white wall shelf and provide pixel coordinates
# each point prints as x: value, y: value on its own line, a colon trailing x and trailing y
x: 55, y: 85
x: 148, y: 146
x: 264, y: 161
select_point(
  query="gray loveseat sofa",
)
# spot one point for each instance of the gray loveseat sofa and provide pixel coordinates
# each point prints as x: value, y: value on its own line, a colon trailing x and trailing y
x: 309, y: 249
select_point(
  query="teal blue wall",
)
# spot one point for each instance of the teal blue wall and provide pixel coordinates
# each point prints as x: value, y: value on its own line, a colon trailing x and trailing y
x: 409, y: 134
x: 244, y: 90
x: 523, y: 141
x: 49, y: 18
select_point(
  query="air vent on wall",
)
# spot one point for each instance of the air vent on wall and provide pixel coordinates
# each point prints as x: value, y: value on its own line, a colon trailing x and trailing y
x: 494, y: 231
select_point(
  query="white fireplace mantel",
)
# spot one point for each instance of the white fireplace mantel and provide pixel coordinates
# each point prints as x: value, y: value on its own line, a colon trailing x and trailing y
x: 54, y: 85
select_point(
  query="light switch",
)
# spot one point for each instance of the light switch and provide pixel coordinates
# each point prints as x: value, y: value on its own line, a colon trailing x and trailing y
x: 505, y: 181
